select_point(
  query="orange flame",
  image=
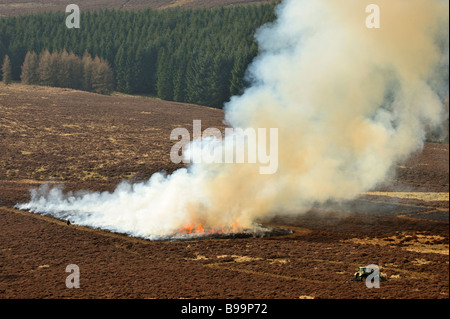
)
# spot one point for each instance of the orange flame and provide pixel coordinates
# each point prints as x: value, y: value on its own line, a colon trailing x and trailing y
x: 189, y: 229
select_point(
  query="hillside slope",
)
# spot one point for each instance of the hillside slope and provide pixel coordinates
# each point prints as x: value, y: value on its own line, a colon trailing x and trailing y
x: 92, y: 142
x: 53, y: 134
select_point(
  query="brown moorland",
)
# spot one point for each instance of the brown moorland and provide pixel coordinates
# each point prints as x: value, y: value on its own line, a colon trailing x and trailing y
x: 90, y: 141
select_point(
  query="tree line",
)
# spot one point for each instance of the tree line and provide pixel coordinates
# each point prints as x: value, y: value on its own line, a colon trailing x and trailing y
x: 67, y: 70
x: 187, y: 55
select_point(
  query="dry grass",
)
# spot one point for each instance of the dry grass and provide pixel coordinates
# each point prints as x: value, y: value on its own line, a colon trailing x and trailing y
x: 414, y: 242
x: 82, y: 136
x: 428, y: 197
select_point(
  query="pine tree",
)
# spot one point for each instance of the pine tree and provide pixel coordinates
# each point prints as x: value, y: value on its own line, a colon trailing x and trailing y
x: 120, y: 69
x: 140, y: 70
x: 47, y: 68
x: 102, y: 77
x: 179, y: 81
x: 199, y: 80
x: 238, y: 83
x: 63, y: 72
x: 220, y: 81
x: 150, y: 68
x: 6, y: 70
x: 179, y: 84
x: 132, y: 69
x: 30, y: 65
x: 75, y: 67
x: 164, y: 82
x: 87, y: 64
x: 17, y: 55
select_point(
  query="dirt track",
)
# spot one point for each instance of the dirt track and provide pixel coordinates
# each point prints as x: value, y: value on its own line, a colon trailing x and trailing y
x: 89, y: 141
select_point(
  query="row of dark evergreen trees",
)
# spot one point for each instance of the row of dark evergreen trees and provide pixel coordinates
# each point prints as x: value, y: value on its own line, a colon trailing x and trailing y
x: 187, y: 55
x: 6, y: 70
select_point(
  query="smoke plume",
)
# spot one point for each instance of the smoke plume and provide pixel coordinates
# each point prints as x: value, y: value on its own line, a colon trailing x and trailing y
x: 349, y: 103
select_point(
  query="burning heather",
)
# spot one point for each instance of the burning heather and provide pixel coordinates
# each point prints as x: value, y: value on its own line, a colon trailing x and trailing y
x: 190, y: 232
x: 349, y: 103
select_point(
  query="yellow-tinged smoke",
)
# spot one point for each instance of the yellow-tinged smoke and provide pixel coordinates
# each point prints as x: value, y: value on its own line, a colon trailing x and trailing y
x: 349, y: 103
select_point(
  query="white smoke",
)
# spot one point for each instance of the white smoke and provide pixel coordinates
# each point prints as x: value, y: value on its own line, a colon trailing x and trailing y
x: 349, y: 102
